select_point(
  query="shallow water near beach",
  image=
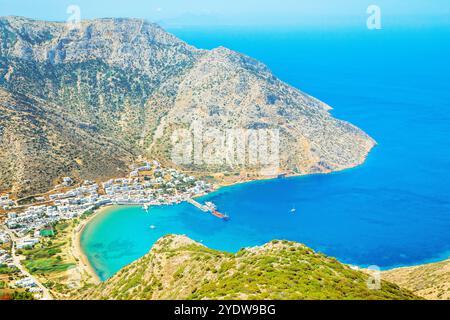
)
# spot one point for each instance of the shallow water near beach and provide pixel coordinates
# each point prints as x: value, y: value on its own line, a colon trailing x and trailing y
x: 392, y: 211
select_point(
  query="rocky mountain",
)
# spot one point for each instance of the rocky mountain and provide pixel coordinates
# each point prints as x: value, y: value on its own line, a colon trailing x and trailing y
x: 85, y: 101
x: 40, y: 143
x: 179, y: 268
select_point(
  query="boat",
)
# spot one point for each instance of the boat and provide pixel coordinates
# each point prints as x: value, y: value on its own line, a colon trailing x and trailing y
x: 293, y: 210
x: 211, y: 206
x: 220, y: 215
x: 152, y: 227
x: 145, y: 206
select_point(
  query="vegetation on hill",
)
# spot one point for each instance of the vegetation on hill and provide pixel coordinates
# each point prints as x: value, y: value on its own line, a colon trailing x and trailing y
x: 179, y: 268
x: 431, y: 281
x: 15, y: 295
x: 48, y: 256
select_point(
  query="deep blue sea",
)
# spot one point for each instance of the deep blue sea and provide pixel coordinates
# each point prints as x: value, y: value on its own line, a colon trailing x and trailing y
x: 392, y: 211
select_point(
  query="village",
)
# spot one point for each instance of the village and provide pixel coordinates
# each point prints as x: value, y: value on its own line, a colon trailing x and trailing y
x: 147, y: 185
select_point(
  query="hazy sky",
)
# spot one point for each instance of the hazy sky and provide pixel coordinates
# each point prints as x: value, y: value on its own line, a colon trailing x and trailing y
x: 238, y: 12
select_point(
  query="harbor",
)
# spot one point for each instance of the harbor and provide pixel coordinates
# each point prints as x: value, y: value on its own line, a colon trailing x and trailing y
x: 209, y: 207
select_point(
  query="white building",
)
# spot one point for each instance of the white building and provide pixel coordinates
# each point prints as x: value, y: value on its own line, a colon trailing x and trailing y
x: 4, y: 238
x: 25, y: 283
x: 25, y: 243
x: 67, y: 181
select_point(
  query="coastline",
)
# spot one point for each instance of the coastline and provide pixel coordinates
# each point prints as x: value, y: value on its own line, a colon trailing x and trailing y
x: 291, y: 174
x: 76, y: 250
x: 84, y: 263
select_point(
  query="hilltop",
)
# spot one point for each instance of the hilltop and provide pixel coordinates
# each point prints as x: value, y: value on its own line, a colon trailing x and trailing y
x: 85, y: 102
x: 179, y: 268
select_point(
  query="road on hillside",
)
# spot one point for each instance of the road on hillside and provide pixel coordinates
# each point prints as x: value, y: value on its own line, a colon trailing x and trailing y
x: 45, y: 292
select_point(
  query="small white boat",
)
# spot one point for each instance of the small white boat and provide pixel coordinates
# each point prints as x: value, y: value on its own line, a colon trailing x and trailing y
x: 293, y: 210
x: 152, y: 227
x: 145, y: 206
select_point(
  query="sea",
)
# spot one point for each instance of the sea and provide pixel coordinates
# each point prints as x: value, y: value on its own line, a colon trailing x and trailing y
x: 392, y: 211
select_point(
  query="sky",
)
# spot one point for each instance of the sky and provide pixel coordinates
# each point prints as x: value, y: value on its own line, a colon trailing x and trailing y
x: 235, y: 12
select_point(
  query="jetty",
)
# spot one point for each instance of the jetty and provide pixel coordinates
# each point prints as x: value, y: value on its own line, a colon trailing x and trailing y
x: 209, y: 207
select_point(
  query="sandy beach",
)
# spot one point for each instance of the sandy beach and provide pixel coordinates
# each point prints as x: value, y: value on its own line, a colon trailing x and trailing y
x: 83, y: 261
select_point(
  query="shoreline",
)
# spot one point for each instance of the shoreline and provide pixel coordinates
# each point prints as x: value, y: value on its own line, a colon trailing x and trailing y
x: 76, y: 249
x: 84, y: 263
x: 428, y: 262
x: 291, y: 174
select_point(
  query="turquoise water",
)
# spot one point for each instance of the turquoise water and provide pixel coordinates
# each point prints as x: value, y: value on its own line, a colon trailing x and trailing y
x: 392, y: 211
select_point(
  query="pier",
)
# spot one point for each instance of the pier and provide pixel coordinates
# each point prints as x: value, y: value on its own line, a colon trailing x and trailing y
x: 208, y: 208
